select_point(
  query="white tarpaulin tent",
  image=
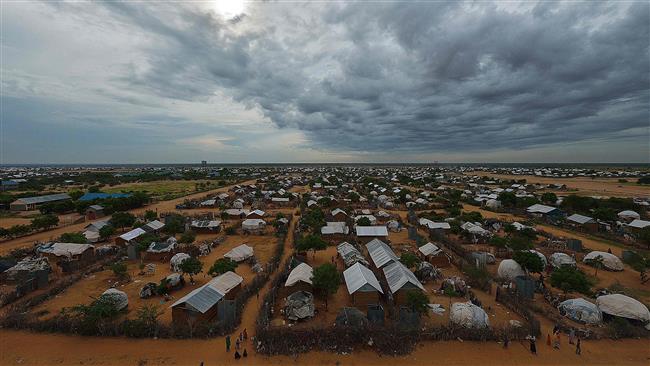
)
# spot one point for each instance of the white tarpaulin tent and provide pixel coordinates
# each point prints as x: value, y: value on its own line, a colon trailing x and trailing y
x: 610, y: 261
x: 240, y: 253
x: 117, y: 297
x: 303, y: 272
x: 468, y: 315
x: 176, y: 261
x: 509, y: 269
x: 623, y: 306
x: 562, y: 259
x: 581, y: 310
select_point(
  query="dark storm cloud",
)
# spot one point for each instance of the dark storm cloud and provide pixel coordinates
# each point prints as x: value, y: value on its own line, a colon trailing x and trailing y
x: 406, y: 77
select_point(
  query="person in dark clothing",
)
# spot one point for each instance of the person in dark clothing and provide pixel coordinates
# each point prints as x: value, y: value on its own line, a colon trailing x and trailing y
x: 245, y: 334
x: 533, y: 346
x: 237, y: 355
x: 506, y: 341
x: 228, y: 343
x: 578, y: 349
x: 245, y: 354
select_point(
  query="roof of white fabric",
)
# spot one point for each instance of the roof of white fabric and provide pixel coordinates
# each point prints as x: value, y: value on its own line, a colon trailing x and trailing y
x: 380, y: 253
x: 65, y: 249
x: 372, y: 231
x: 240, y: 253
x: 639, y: 224
x: 302, y: 272
x: 357, y: 276
x: 397, y: 275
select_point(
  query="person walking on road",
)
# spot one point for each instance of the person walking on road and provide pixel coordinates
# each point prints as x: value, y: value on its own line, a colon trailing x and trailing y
x: 228, y: 343
x: 578, y: 349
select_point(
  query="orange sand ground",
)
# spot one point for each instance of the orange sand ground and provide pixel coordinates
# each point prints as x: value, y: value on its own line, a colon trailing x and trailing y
x: 585, y: 186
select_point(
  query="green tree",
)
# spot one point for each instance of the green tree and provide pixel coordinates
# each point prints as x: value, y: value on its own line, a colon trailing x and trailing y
x: 409, y: 259
x: 221, y: 266
x: 224, y: 216
x: 418, y: 301
x: 529, y: 261
x: 45, y: 221
x: 596, y: 262
x: 75, y: 195
x: 4, y: 232
x: 174, y: 225
x: 644, y: 236
x: 106, y: 231
x: 122, y: 219
x: 549, y: 198
x: 18, y: 230
x: 120, y: 270
x: 570, y: 279
x: 78, y: 238
x: 508, y: 199
x: 191, y: 266
x: 354, y: 197
x: 364, y: 221
x: 311, y: 242
x: 188, y: 237
x: 150, y: 215
x: 326, y: 279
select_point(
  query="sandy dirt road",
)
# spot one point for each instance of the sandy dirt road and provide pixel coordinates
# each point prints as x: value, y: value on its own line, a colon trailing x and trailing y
x: 162, y: 206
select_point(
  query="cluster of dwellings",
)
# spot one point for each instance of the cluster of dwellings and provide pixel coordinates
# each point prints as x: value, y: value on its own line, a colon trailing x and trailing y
x: 369, y: 283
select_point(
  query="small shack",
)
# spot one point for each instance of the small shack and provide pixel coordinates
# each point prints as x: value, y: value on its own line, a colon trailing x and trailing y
x: 380, y: 253
x: 201, y: 305
x: 240, y: 253
x: 366, y: 234
x: 299, y: 279
x: 362, y: 285
x: 400, y: 281
x: 434, y: 255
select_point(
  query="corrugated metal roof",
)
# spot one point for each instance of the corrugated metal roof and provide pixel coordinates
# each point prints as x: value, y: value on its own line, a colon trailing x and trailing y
x: 580, y: 219
x: 639, y: 224
x: 380, y: 253
x: 429, y: 249
x: 155, y: 225
x: 43, y: 199
x: 206, y: 296
x: 132, y: 234
x: 100, y: 196
x: 302, y: 272
x: 372, y: 231
x: 346, y: 248
x: 397, y: 275
x: 538, y: 208
x: 358, y: 276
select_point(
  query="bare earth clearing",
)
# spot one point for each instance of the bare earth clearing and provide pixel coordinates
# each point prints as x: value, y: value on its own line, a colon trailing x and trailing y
x: 585, y: 186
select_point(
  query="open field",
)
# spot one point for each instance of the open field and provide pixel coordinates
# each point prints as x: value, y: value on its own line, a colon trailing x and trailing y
x: 585, y: 186
x: 159, y: 188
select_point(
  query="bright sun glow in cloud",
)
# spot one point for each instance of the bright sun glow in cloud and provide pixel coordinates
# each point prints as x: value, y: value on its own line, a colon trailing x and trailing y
x: 230, y: 8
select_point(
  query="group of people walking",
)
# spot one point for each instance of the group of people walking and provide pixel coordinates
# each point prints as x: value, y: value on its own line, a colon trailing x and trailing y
x: 239, y: 344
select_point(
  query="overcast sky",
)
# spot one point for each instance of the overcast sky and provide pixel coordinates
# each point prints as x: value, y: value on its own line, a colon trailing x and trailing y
x: 134, y: 82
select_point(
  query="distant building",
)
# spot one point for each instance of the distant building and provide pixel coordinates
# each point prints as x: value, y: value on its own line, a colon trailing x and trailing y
x: 100, y: 196
x: 32, y: 203
x: 94, y: 212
